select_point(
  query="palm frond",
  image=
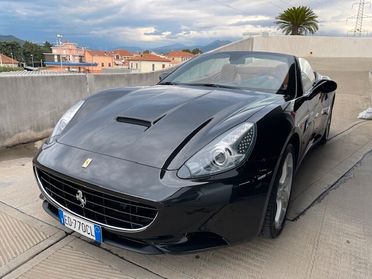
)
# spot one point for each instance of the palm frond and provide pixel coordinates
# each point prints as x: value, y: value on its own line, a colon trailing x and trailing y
x: 298, y: 21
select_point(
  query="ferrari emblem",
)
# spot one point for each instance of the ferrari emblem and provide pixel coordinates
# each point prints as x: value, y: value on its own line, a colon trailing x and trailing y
x: 80, y: 197
x: 87, y: 163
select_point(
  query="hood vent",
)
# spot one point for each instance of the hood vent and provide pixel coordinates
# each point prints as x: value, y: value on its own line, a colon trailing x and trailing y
x: 134, y: 121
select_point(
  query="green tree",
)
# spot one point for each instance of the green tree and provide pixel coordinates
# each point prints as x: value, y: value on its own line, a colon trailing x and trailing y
x: 196, y: 51
x: 47, y: 46
x: 146, y: 52
x: 32, y: 52
x: 24, y: 53
x: 11, y: 49
x: 298, y: 21
x: 35, y: 52
x: 186, y: 50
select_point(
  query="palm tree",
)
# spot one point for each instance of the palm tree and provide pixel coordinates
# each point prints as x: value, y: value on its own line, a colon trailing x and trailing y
x: 298, y: 21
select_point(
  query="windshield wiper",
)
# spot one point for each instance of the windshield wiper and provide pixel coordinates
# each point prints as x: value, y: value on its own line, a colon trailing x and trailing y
x: 212, y: 85
x: 169, y: 83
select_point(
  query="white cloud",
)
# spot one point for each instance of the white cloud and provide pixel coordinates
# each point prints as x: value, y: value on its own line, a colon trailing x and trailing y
x: 164, y: 21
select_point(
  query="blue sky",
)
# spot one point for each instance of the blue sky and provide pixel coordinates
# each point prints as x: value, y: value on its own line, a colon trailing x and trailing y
x: 150, y: 23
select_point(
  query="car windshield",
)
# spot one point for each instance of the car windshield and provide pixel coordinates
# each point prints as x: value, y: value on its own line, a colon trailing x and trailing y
x: 265, y: 72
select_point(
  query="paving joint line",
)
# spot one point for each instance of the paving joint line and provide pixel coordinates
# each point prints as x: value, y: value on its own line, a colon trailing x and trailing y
x: 343, y: 179
x: 28, y: 215
x: 38, y: 253
x: 131, y: 262
x: 355, y: 124
x: 340, y: 180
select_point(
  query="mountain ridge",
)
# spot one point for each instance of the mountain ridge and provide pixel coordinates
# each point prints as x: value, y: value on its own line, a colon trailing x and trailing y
x: 163, y: 49
x: 178, y: 46
x: 11, y: 38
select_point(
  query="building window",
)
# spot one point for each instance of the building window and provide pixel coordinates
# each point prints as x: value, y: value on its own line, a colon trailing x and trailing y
x: 136, y: 65
x: 163, y: 66
x: 103, y: 64
x: 153, y: 67
x: 110, y: 65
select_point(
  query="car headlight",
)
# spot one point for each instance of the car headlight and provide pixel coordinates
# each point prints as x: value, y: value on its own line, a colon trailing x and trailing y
x: 223, y: 153
x: 65, y: 119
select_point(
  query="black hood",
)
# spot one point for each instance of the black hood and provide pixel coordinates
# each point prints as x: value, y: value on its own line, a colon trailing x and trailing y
x: 148, y: 124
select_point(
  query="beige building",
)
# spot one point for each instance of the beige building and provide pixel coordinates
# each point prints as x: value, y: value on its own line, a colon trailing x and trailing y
x: 148, y: 63
x: 69, y: 57
x: 102, y: 59
x: 6, y: 61
x: 179, y: 56
x: 66, y: 53
x: 121, y: 57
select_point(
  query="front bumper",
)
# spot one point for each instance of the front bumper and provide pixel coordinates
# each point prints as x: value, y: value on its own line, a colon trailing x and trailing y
x: 192, y: 216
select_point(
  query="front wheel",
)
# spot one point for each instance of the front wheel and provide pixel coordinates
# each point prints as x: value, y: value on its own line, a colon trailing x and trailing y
x: 280, y: 195
x: 325, y: 136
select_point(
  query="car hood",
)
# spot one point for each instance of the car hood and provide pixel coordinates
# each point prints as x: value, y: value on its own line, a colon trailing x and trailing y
x: 149, y: 125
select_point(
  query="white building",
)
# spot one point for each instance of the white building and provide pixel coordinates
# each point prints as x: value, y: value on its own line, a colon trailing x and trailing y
x: 148, y: 63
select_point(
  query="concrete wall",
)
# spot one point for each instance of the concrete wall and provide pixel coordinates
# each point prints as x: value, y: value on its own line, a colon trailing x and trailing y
x: 31, y: 105
x: 245, y: 44
x: 307, y: 46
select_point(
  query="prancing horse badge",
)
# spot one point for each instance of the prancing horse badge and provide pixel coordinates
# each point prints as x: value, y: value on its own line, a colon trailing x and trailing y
x: 87, y: 163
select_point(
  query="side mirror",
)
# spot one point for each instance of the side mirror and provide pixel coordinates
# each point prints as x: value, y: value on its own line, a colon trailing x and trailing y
x: 163, y: 76
x: 323, y: 86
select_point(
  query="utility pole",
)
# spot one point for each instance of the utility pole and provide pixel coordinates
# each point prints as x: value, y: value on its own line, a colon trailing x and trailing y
x: 358, y: 29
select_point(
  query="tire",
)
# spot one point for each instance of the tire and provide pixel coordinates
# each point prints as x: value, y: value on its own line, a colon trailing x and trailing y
x: 280, y: 195
x: 325, y: 136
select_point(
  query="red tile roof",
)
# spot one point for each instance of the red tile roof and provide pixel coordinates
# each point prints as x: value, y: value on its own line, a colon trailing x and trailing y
x: 180, y: 54
x: 7, y: 60
x: 123, y: 52
x: 149, y: 57
x: 98, y: 52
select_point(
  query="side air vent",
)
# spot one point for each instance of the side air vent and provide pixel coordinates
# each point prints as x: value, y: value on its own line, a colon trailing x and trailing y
x: 134, y: 121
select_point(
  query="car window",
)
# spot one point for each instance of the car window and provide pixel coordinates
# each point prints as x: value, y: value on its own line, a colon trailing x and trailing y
x: 203, y: 70
x: 307, y: 74
x: 264, y: 72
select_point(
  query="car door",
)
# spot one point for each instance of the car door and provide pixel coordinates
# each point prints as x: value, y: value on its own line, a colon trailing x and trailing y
x: 314, y: 117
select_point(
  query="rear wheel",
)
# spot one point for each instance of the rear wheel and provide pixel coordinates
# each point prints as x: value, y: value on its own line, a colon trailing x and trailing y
x: 280, y: 196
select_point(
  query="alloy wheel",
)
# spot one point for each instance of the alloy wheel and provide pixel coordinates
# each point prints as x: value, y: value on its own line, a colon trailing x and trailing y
x: 284, y: 191
x: 329, y: 121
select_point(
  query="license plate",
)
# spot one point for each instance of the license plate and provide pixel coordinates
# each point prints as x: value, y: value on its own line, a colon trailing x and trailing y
x: 80, y: 225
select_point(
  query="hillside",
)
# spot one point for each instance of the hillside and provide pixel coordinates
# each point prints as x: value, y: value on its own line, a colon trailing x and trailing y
x: 10, y: 38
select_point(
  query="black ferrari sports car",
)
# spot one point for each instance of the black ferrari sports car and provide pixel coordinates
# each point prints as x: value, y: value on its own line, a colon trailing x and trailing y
x: 205, y: 158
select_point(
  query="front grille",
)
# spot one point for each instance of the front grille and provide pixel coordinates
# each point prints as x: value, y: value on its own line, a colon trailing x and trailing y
x: 100, y: 207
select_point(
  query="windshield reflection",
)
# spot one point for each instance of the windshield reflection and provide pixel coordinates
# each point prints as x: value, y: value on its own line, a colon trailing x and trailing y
x: 257, y: 71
